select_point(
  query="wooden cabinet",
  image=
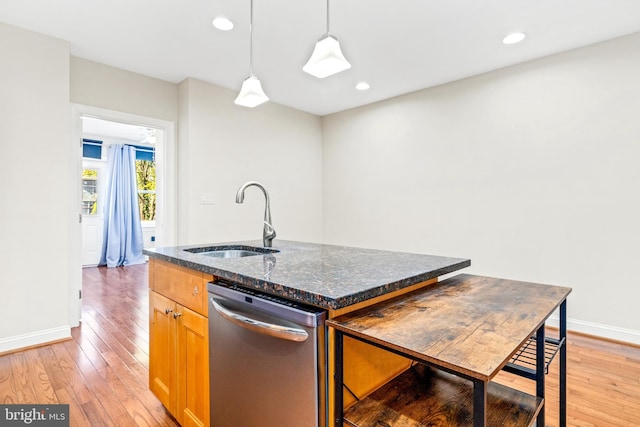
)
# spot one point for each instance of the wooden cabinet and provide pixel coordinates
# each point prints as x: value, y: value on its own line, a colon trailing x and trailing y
x: 162, y: 350
x: 179, y: 341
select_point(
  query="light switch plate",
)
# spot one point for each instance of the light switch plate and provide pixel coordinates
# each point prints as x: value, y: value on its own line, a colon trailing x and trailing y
x: 207, y: 199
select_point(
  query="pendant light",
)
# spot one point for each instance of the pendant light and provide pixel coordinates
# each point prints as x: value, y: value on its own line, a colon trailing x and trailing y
x: 327, y: 58
x: 251, y: 94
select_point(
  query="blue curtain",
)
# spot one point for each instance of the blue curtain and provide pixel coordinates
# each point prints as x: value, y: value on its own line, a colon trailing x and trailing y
x: 122, y: 243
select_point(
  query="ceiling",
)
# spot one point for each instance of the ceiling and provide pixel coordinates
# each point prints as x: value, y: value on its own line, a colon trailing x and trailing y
x: 93, y: 127
x: 397, y: 46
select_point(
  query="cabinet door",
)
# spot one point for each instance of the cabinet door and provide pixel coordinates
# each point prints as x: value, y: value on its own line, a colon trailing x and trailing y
x: 162, y: 350
x: 193, y: 368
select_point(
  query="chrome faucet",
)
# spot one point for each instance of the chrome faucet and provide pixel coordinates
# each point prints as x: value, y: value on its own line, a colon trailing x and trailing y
x: 268, y: 232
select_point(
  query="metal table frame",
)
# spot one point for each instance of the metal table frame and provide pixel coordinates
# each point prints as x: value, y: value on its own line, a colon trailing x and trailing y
x: 479, y: 386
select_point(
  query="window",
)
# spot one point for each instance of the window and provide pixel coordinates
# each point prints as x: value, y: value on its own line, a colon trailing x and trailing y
x: 91, y: 148
x: 89, y: 192
x: 145, y: 153
x: 146, y: 176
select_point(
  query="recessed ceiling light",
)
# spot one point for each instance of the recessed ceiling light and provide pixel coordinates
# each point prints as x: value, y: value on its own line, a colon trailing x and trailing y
x: 513, y: 38
x: 363, y: 86
x: 222, y: 23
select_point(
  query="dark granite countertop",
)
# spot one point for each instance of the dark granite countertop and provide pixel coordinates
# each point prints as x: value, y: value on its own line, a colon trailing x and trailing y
x: 326, y: 276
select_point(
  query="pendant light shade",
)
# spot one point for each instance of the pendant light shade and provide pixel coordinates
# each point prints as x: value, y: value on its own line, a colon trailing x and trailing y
x: 251, y: 94
x: 327, y: 58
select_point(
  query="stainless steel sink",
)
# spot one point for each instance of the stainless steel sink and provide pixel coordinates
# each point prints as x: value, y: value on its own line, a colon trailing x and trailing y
x: 230, y: 251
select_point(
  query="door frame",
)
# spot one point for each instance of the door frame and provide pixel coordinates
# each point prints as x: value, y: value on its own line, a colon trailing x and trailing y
x: 166, y: 210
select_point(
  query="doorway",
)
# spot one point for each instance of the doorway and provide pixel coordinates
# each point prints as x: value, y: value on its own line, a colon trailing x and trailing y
x: 97, y: 136
x: 165, y: 205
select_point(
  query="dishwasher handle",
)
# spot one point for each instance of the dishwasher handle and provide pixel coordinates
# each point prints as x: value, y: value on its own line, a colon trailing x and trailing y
x: 270, y: 329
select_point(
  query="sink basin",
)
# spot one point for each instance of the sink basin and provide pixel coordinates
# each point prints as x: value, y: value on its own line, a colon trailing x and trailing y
x: 231, y: 251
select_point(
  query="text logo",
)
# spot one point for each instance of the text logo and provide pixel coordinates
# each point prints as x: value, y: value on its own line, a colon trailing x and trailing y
x: 34, y: 415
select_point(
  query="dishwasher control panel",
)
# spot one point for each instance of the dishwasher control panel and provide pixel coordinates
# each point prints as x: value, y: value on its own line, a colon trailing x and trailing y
x: 267, y: 302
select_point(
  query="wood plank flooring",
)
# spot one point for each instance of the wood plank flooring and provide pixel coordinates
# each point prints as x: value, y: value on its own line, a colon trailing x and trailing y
x: 603, y: 384
x: 102, y: 373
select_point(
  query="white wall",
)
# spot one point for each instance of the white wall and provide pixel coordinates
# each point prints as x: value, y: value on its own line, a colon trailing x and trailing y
x: 115, y: 89
x: 221, y: 146
x: 532, y: 172
x: 35, y: 176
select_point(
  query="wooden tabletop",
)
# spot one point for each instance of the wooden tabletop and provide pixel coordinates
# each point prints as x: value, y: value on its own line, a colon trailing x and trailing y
x: 468, y: 324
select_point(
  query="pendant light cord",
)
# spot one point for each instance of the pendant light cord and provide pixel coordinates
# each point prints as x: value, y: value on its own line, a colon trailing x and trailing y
x: 251, y: 41
x: 327, y: 16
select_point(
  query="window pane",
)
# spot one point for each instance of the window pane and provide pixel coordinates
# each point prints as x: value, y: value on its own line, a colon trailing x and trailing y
x: 144, y: 153
x: 147, y: 203
x: 146, y: 176
x: 91, y: 148
x: 89, y: 192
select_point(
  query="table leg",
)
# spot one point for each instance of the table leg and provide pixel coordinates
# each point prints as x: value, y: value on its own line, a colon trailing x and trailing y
x: 563, y: 364
x: 540, y: 372
x: 479, y: 403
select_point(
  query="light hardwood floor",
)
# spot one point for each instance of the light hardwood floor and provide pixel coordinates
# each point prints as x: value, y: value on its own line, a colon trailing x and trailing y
x: 603, y: 383
x: 102, y: 373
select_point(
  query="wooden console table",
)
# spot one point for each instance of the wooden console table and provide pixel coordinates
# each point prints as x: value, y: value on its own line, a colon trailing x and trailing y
x: 461, y: 332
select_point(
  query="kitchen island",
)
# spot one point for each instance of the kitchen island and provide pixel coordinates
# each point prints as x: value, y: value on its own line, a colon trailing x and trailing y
x: 345, y: 283
x: 335, y: 278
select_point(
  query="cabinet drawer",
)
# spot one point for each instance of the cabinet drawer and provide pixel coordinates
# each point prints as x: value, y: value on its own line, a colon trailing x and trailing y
x: 183, y: 285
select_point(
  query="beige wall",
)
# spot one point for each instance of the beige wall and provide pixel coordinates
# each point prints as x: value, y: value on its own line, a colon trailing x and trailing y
x: 35, y: 153
x: 100, y: 85
x: 221, y: 146
x: 532, y: 172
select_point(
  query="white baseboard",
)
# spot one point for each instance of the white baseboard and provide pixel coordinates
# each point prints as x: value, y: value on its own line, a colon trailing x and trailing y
x: 599, y: 330
x: 34, y: 338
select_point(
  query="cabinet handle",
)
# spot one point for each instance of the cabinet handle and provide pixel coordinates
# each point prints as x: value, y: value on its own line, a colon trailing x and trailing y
x: 196, y: 291
x: 176, y: 315
x: 167, y: 310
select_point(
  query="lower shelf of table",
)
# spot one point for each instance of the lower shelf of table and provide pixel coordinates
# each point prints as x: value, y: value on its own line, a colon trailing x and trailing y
x: 523, y: 363
x: 423, y: 396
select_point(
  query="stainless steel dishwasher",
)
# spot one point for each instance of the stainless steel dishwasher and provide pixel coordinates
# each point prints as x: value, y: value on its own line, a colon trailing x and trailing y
x: 266, y: 358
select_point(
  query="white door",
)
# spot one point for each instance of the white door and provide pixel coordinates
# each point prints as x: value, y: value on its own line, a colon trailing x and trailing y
x: 92, y: 220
